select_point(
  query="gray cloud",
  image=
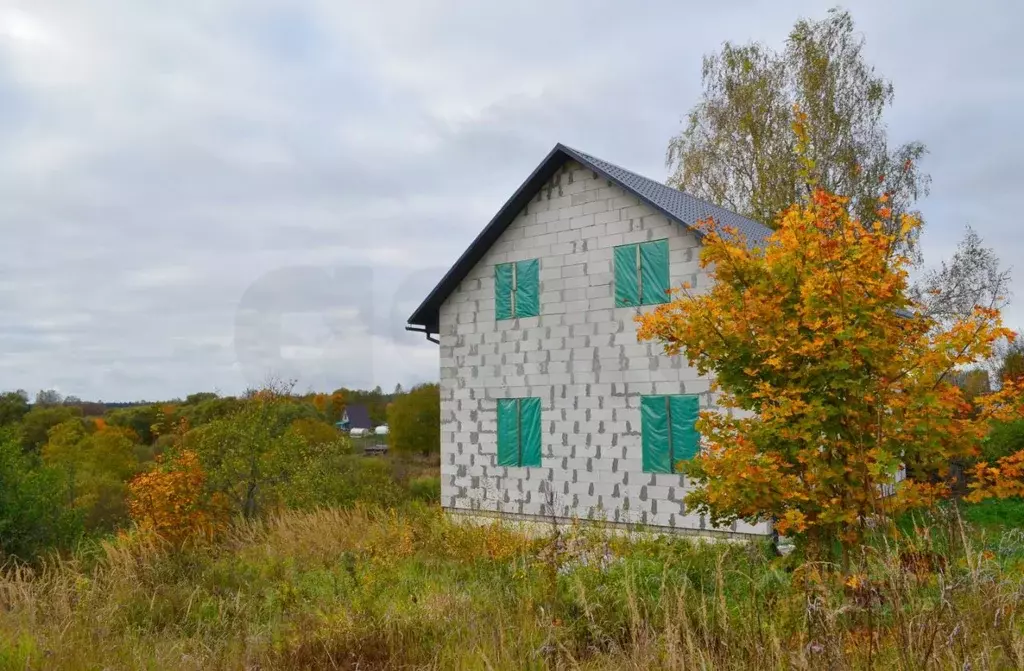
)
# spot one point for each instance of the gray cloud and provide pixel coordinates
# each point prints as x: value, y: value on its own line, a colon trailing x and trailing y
x: 195, y: 195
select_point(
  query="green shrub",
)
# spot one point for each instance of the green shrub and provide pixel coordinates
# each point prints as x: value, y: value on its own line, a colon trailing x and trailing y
x: 202, y: 409
x: 139, y: 419
x: 33, y: 516
x: 13, y: 407
x: 414, y: 421
x: 427, y: 488
x: 340, y: 479
x: 1005, y: 439
x: 37, y: 424
x: 318, y: 433
x: 254, y: 458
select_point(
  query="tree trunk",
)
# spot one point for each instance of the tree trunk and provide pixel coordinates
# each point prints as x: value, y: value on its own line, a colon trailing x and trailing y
x: 249, y: 505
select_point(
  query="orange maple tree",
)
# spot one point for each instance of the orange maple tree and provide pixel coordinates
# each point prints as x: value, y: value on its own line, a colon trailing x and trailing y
x: 1004, y: 479
x: 830, y: 377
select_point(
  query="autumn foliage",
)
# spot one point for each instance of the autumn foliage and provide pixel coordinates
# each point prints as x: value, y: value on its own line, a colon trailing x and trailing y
x: 1004, y: 478
x: 171, y: 500
x: 831, y: 378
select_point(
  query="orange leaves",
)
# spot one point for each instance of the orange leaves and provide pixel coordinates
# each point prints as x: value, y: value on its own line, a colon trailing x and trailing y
x: 792, y: 522
x: 321, y: 402
x: 816, y: 336
x: 1004, y: 480
x: 1004, y: 405
x: 171, y: 502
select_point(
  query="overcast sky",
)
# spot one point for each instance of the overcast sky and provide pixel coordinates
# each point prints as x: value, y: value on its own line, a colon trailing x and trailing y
x: 196, y: 194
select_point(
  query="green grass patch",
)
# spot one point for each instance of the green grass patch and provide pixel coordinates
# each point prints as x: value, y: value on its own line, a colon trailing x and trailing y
x: 996, y: 513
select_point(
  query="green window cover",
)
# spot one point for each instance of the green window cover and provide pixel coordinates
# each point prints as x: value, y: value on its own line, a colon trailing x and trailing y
x: 529, y: 421
x: 685, y: 411
x: 508, y: 431
x: 527, y: 288
x: 668, y: 431
x: 519, y: 432
x: 503, y: 291
x: 641, y: 274
x: 654, y: 272
x: 627, y: 285
x: 654, y: 434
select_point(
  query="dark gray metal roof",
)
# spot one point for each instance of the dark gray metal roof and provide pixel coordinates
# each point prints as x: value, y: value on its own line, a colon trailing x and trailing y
x: 358, y: 417
x: 678, y: 205
x: 674, y: 204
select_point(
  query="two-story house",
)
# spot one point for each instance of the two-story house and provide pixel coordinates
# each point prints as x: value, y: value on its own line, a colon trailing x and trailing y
x: 549, y: 405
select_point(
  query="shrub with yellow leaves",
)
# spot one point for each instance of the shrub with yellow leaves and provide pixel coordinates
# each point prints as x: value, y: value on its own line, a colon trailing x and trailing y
x: 171, y: 500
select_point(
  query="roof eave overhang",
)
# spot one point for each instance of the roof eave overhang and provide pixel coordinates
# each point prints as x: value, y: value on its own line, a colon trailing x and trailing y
x: 426, y: 315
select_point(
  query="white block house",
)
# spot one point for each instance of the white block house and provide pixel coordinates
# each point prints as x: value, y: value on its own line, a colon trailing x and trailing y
x: 549, y: 405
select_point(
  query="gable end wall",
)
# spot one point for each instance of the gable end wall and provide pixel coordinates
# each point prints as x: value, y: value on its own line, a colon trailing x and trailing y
x: 580, y: 357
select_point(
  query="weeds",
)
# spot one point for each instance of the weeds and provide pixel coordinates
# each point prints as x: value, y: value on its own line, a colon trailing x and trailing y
x: 376, y: 588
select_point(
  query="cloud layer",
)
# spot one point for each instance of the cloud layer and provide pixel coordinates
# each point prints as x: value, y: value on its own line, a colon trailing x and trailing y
x: 198, y: 195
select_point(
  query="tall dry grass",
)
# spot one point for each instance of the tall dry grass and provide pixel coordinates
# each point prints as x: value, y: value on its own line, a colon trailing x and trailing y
x: 371, y: 588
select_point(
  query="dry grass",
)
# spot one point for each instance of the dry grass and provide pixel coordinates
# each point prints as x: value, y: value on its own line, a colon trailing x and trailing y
x: 369, y: 588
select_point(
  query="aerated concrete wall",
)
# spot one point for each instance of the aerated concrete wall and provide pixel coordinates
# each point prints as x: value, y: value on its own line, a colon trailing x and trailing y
x: 580, y: 357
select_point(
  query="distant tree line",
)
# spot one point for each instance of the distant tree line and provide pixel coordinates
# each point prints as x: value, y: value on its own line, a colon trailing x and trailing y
x: 71, y: 468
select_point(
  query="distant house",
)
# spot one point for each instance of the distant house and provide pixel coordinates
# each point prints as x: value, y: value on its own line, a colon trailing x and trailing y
x: 549, y: 405
x: 355, y: 417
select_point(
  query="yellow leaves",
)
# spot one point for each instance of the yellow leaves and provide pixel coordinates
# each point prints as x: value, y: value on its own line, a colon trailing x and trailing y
x: 170, y: 500
x: 908, y: 224
x: 1005, y: 480
x: 391, y: 541
x: 809, y: 335
x: 793, y: 521
x: 856, y: 581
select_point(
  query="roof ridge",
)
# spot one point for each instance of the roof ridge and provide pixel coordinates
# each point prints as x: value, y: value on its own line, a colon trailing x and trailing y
x: 677, y: 205
x: 615, y: 165
x: 701, y: 199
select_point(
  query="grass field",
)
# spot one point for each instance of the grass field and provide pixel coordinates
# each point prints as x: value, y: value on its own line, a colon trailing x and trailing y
x: 370, y: 588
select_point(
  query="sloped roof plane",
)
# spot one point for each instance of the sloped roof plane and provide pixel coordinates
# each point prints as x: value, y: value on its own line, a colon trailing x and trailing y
x: 681, y: 207
x: 358, y: 417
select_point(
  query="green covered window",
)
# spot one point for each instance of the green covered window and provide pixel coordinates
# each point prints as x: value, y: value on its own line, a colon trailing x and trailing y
x: 517, y: 289
x: 519, y: 432
x: 641, y: 274
x: 668, y: 431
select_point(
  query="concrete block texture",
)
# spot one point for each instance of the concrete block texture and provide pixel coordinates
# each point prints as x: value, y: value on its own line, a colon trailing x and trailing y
x: 580, y: 357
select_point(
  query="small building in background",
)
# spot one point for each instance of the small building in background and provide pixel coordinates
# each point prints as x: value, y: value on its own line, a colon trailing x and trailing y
x: 355, y: 417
